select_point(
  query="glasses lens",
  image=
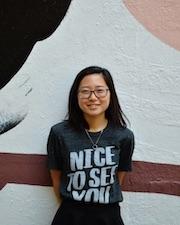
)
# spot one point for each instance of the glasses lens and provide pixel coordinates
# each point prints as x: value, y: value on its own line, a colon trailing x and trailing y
x: 84, y: 93
x: 100, y: 92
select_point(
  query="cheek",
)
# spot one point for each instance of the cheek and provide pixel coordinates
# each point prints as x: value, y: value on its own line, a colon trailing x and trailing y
x: 81, y: 104
x: 107, y: 102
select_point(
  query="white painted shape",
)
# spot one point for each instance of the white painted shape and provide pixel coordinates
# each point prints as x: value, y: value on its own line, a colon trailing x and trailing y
x: 102, y: 33
x: 27, y: 205
x: 150, y: 209
x: 32, y: 205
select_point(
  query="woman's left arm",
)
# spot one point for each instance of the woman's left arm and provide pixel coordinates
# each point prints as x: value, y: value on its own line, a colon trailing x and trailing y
x: 125, y: 157
x: 121, y: 176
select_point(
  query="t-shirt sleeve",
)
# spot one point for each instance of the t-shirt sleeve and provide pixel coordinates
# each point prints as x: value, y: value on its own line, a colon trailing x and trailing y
x: 54, y: 151
x: 126, y: 152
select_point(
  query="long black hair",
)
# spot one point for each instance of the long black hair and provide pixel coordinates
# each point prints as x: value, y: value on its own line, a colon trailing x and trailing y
x: 114, y: 113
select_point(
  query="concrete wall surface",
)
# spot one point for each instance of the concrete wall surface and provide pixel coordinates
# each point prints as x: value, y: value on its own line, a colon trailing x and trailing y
x: 139, y: 43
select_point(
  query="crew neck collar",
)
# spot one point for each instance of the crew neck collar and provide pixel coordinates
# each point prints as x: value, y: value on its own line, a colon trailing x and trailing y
x: 97, y: 132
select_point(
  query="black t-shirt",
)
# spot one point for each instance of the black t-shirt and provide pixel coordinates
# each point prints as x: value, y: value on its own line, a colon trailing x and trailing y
x: 90, y: 175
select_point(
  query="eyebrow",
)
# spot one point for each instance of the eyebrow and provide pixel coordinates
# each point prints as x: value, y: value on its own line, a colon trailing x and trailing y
x: 95, y: 86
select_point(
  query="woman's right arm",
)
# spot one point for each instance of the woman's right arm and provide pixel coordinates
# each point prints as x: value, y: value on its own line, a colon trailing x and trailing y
x: 56, y: 181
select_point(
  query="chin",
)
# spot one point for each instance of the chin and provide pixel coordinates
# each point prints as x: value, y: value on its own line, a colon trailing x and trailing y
x: 94, y: 113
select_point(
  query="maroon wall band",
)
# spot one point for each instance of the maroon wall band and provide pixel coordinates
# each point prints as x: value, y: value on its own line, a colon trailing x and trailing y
x: 146, y: 177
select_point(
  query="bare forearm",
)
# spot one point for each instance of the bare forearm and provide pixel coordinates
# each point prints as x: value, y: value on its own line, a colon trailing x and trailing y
x: 56, y: 181
x: 57, y: 192
x: 121, y: 176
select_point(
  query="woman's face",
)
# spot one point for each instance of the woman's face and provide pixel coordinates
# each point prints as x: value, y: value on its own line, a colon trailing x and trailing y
x: 93, y: 104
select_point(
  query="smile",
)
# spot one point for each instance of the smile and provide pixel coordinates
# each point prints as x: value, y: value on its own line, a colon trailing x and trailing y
x: 93, y: 105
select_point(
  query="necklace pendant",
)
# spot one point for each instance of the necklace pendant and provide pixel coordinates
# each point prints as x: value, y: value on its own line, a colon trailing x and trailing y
x: 94, y: 146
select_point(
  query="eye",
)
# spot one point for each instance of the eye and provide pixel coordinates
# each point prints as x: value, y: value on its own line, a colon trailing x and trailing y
x: 100, y: 90
x: 84, y: 91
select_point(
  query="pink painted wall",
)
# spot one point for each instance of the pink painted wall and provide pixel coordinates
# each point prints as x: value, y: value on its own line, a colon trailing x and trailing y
x: 160, y: 17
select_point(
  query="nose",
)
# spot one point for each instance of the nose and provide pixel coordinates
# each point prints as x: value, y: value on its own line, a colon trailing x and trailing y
x: 92, y: 96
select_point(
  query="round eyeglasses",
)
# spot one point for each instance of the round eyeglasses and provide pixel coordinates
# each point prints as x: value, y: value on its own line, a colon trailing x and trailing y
x: 99, y: 93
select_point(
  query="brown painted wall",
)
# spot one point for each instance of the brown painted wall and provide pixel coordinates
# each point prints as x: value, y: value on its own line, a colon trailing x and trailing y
x: 146, y: 177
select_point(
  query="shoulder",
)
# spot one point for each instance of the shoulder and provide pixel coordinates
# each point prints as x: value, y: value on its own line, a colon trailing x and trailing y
x: 61, y: 127
x: 127, y: 138
x: 64, y: 130
x: 123, y: 133
x: 128, y: 133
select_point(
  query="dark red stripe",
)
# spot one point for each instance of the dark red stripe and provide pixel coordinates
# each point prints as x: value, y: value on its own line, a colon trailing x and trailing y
x: 153, y: 177
x: 23, y: 169
x: 146, y: 177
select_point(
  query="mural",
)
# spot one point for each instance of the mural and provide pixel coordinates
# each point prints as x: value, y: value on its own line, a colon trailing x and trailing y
x: 146, y: 177
x: 22, y: 24
x: 160, y: 17
x: 46, y: 46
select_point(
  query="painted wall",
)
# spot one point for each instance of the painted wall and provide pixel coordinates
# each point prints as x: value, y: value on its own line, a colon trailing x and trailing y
x: 139, y: 42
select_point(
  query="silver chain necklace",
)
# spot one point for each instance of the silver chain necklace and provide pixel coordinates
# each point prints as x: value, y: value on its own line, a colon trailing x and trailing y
x: 94, y: 144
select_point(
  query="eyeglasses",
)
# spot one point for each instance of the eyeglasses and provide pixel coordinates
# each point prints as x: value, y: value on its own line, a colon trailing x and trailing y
x: 99, y: 93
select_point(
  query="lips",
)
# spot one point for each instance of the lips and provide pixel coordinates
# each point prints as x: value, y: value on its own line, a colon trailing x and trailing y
x: 93, y: 106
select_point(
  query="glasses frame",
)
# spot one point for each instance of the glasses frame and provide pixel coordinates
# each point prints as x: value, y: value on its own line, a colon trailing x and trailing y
x: 94, y: 92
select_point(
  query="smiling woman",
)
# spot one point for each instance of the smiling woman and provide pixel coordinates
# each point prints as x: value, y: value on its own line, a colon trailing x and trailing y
x: 93, y: 96
x: 90, y: 153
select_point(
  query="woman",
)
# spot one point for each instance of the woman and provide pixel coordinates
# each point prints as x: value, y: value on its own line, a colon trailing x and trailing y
x: 90, y: 153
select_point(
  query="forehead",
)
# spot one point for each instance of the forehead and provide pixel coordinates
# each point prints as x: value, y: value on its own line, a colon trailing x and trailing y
x: 93, y: 80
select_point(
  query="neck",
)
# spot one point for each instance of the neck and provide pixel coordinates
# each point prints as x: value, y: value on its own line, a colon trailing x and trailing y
x: 96, y: 123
